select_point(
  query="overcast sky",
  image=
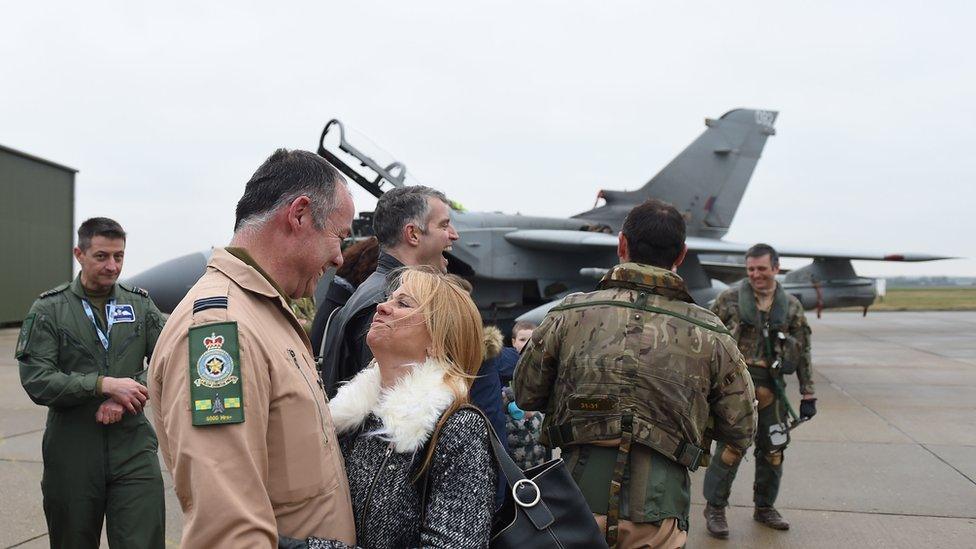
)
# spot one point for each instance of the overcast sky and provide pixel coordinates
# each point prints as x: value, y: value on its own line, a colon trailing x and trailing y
x: 167, y: 108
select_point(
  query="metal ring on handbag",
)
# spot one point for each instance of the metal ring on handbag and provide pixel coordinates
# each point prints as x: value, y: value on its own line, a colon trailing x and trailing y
x: 518, y: 484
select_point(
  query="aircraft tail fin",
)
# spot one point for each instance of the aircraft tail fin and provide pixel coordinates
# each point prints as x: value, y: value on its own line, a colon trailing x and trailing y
x: 705, y: 181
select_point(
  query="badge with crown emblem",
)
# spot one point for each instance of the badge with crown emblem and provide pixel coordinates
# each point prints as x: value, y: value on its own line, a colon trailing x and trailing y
x: 216, y: 395
x: 215, y: 367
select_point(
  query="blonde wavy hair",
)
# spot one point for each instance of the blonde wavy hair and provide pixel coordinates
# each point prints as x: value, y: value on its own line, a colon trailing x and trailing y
x: 454, y: 324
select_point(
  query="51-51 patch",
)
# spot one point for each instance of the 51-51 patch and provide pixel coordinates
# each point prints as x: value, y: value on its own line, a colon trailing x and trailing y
x: 216, y: 385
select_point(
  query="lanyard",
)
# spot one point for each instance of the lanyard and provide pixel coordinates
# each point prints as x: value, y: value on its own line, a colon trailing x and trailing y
x: 109, y: 313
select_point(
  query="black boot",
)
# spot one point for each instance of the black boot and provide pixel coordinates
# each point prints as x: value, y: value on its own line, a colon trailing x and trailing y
x: 770, y: 517
x: 715, y: 521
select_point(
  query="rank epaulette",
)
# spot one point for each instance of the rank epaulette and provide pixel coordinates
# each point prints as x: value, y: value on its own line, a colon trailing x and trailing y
x: 204, y: 303
x: 134, y: 289
x: 54, y: 291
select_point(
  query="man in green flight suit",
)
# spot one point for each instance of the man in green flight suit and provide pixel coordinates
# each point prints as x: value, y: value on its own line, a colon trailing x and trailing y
x: 82, y: 350
x: 630, y: 376
x: 773, y: 335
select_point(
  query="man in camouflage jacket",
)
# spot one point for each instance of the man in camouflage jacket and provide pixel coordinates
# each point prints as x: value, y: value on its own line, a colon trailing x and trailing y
x: 630, y: 376
x: 773, y: 336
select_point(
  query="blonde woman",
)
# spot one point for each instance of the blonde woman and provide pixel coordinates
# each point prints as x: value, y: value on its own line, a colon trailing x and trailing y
x: 426, y: 343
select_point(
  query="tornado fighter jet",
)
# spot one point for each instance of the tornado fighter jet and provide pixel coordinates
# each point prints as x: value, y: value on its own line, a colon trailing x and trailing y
x: 522, y: 265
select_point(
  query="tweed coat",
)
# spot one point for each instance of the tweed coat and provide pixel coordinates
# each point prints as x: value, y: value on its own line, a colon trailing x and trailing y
x: 384, y: 435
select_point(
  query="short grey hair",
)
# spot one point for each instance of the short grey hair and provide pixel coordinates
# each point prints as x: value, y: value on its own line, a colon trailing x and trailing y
x: 282, y: 178
x: 400, y: 206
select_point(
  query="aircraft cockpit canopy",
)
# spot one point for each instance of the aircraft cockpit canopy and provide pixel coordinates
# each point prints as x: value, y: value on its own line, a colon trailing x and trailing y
x: 376, y: 171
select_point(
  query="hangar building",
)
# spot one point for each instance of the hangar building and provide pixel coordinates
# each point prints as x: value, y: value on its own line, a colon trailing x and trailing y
x: 37, y: 202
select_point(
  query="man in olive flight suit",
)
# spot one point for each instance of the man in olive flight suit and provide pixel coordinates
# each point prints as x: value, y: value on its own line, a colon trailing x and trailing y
x: 774, y: 337
x: 82, y: 350
x: 629, y: 377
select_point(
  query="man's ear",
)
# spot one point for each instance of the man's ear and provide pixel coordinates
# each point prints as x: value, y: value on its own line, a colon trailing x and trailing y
x: 77, y: 253
x: 681, y: 257
x: 411, y: 234
x: 299, y: 213
x: 623, y: 249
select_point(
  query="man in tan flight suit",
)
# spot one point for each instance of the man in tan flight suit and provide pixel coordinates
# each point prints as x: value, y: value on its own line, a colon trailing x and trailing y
x: 240, y: 412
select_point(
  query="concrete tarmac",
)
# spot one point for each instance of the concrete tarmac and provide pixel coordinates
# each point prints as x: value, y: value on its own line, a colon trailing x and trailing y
x: 889, y: 460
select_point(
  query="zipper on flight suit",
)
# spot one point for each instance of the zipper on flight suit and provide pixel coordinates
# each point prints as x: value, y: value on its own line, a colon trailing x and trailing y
x: 74, y: 341
x: 325, y: 435
x: 106, y: 463
x: 128, y: 340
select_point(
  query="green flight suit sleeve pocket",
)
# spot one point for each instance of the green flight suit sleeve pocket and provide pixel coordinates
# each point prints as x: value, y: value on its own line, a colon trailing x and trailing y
x: 216, y: 384
x: 23, y: 341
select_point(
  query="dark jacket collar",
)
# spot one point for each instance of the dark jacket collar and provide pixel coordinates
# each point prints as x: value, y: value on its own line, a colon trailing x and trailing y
x: 386, y: 263
x: 340, y: 356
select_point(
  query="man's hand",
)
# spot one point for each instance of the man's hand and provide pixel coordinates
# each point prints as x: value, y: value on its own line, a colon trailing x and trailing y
x: 109, y: 412
x: 131, y: 394
x: 808, y: 407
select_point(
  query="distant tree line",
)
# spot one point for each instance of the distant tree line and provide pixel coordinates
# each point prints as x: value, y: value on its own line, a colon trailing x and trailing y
x: 929, y: 281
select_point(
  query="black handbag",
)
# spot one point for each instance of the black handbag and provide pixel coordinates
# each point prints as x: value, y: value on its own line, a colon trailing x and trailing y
x: 543, y: 506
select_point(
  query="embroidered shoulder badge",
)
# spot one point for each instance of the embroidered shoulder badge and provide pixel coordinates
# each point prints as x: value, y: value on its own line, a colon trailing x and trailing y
x: 23, y: 341
x: 216, y: 387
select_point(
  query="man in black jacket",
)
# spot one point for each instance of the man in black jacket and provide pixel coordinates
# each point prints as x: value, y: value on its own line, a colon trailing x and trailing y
x: 413, y: 226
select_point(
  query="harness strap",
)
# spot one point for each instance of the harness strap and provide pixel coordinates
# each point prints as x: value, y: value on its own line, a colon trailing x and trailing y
x: 781, y: 394
x: 647, y: 308
x: 582, y: 456
x: 623, y: 456
x: 680, y: 451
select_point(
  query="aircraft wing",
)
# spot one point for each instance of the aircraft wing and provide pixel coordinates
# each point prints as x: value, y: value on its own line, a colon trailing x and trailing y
x: 712, y: 245
x: 583, y: 241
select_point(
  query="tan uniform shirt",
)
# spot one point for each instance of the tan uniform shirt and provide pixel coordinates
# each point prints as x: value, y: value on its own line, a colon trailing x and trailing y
x: 280, y: 471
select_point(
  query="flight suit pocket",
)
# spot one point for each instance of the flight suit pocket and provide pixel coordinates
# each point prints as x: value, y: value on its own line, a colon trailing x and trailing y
x: 75, y: 353
x: 301, y: 463
x: 126, y: 339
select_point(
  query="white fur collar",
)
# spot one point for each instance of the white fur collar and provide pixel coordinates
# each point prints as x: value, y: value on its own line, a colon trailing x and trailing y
x: 409, y: 410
